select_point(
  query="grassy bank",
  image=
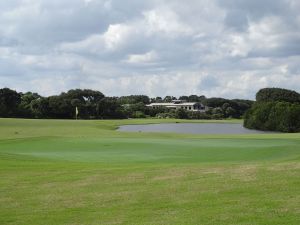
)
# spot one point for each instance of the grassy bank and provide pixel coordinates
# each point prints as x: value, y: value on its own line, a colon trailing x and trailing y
x: 86, y: 172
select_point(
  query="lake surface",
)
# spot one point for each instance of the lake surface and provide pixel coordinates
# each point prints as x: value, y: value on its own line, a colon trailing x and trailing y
x: 192, y: 128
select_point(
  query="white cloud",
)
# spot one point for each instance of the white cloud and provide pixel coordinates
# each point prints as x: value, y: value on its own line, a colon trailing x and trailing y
x: 217, y: 48
x: 239, y: 46
x: 114, y: 38
x: 149, y: 57
x: 116, y: 35
x: 166, y: 21
x: 93, y: 44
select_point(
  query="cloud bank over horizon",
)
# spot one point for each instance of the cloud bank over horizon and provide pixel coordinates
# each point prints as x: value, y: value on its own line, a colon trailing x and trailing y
x: 206, y: 47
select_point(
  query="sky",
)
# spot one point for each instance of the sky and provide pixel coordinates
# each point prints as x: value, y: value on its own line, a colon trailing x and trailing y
x: 215, y: 48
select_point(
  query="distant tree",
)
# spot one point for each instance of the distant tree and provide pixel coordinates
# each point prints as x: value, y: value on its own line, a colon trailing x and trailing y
x: 238, y: 106
x: 193, y: 98
x: 131, y: 109
x: 215, y: 102
x: 138, y: 114
x: 40, y: 108
x: 225, y: 106
x: 134, y: 99
x: 158, y: 99
x: 184, y: 98
x: 217, y: 110
x: 109, y: 108
x: 84, y: 96
x: 25, y: 107
x: 217, y: 113
x: 91, y: 105
x: 198, y: 115
x: 294, y: 118
x: 181, y: 114
x: 230, y: 112
x: 9, y: 102
x: 274, y: 116
x: 201, y: 98
x: 60, y: 107
x: 169, y: 98
x: 267, y: 114
x: 152, y: 100
x: 277, y: 94
x: 85, y: 100
x: 157, y: 110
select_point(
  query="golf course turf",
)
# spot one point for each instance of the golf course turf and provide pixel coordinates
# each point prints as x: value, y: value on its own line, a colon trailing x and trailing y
x: 56, y: 172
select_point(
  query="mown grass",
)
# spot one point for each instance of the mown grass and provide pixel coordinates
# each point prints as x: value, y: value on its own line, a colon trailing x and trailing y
x: 86, y: 172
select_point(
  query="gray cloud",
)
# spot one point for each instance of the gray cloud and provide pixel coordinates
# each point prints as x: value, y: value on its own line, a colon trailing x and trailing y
x: 217, y: 48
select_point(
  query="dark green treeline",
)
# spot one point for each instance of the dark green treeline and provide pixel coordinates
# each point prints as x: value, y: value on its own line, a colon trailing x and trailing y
x: 275, y: 109
x: 95, y: 105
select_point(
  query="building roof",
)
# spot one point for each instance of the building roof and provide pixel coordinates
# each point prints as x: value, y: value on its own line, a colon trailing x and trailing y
x: 174, y: 104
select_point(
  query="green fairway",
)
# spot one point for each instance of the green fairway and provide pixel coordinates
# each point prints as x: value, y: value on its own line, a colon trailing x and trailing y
x: 85, y: 172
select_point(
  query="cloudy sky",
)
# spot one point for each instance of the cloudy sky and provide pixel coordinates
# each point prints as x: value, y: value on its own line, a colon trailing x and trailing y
x: 228, y: 48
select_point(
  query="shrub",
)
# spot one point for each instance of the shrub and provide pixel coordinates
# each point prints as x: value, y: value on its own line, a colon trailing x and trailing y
x: 274, y: 116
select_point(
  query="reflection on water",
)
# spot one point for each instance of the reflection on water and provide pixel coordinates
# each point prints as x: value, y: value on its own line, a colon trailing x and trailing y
x: 191, y: 128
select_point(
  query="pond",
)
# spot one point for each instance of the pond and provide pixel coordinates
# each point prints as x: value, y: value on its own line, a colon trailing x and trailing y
x: 192, y: 128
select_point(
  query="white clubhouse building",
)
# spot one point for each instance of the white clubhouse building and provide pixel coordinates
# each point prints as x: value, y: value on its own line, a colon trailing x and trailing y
x: 179, y: 104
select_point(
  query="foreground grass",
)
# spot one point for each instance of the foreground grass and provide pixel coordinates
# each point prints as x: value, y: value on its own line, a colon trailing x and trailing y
x: 85, y: 172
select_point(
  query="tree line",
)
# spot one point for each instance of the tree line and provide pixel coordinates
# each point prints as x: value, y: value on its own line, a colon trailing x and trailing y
x: 275, y: 109
x: 93, y: 104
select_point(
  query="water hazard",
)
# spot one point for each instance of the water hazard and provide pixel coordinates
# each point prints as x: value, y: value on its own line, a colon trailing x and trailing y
x: 191, y: 128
